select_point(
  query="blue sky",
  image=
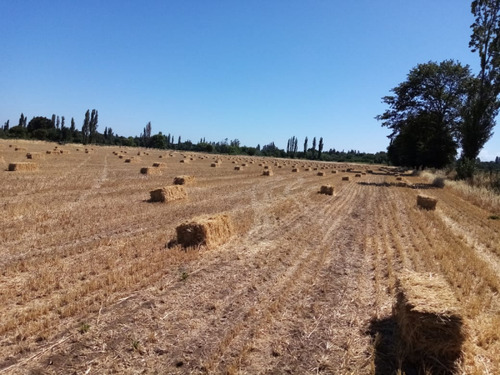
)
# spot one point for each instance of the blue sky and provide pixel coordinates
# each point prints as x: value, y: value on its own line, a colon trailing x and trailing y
x: 255, y: 70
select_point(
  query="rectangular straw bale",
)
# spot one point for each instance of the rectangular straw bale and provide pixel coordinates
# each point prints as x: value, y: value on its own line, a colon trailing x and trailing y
x: 334, y: 172
x: 426, y: 202
x: 34, y: 155
x: 357, y: 175
x: 48, y: 152
x: 267, y: 172
x: 20, y: 149
x: 321, y: 173
x: 345, y: 178
x: 327, y: 189
x: 158, y: 165
x: 238, y: 168
x: 23, y: 167
x: 168, y: 194
x: 210, y: 231
x: 429, y: 319
x: 150, y: 170
x: 183, y: 180
x: 295, y: 169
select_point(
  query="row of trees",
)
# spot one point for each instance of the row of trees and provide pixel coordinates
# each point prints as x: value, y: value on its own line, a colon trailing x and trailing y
x: 308, y: 153
x: 443, y: 107
x: 54, y: 129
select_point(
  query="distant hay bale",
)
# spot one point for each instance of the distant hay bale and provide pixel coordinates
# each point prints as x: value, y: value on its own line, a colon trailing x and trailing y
x: 20, y: 149
x: 357, y: 175
x: 267, y: 172
x: 238, y: 168
x: 210, y: 231
x: 183, y: 180
x: 426, y: 202
x: 64, y: 151
x: 345, y: 178
x: 23, y: 167
x: 150, y: 170
x: 120, y: 157
x: 186, y: 161
x: 243, y: 164
x: 158, y: 165
x: 48, y: 152
x: 34, y: 155
x: 215, y: 165
x: 131, y: 160
x: 399, y: 178
x: 266, y: 166
x: 307, y: 169
x: 327, y: 189
x: 295, y: 169
x: 168, y: 194
x: 160, y: 157
x: 334, y: 172
x: 321, y: 173
x: 429, y: 319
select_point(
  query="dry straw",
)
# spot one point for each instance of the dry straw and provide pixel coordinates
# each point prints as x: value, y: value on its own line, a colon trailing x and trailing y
x: 426, y: 202
x: 321, y: 173
x: 34, y: 155
x: 345, y: 178
x: 295, y: 169
x: 168, y: 194
x: 429, y: 320
x: 183, y: 180
x: 357, y: 175
x: 267, y: 172
x: 210, y: 231
x: 238, y: 168
x: 327, y: 189
x: 158, y: 165
x: 23, y: 167
x: 150, y: 170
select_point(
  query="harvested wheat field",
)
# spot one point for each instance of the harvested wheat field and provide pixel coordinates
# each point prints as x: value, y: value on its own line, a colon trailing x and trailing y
x: 93, y: 280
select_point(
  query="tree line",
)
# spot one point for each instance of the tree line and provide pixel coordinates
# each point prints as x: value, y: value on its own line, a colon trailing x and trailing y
x: 55, y: 129
x: 442, y: 108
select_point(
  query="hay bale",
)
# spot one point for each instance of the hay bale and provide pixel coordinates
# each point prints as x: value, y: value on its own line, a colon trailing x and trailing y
x: 186, y: 161
x: 131, y: 160
x: 345, y: 178
x: 327, y: 189
x: 307, y: 169
x: 429, y: 319
x: 267, y: 172
x: 215, y: 165
x: 334, y: 172
x: 150, y: 170
x: 168, y: 194
x: 48, y: 152
x: 22, y: 167
x: 210, y: 231
x: 357, y: 175
x: 20, y: 149
x: 426, y: 202
x: 399, y: 178
x: 34, y: 155
x: 238, y: 168
x: 158, y: 165
x: 183, y: 180
x: 321, y: 173
x: 295, y: 169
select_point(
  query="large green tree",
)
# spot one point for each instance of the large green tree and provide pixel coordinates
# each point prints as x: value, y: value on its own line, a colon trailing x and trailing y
x: 482, y: 104
x: 425, y: 114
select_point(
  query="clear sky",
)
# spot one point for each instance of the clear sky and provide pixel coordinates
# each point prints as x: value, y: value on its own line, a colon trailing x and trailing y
x: 255, y: 70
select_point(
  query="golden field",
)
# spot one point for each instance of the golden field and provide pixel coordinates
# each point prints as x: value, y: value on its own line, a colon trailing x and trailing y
x: 92, y: 281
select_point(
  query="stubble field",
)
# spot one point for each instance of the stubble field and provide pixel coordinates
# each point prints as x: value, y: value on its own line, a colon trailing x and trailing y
x: 305, y: 285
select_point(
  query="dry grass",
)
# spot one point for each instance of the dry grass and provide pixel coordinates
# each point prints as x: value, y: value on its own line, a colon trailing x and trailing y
x: 301, y: 287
